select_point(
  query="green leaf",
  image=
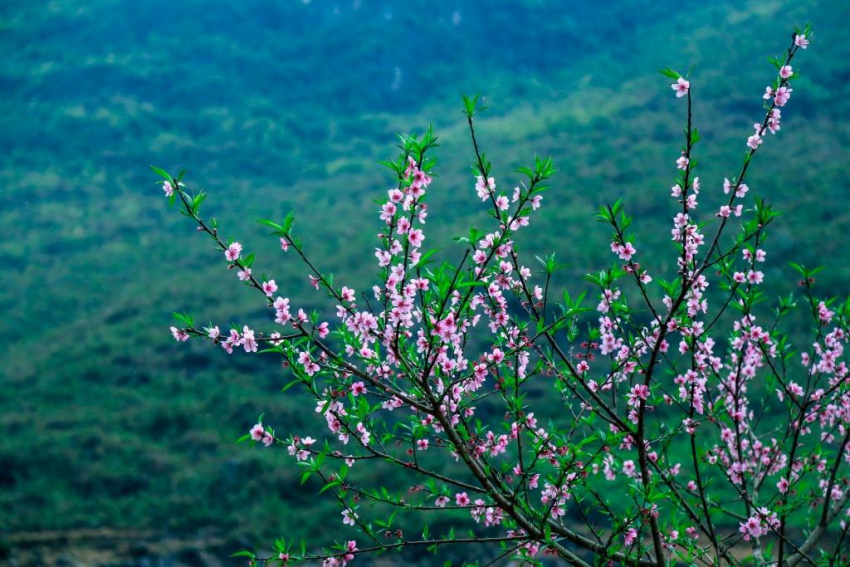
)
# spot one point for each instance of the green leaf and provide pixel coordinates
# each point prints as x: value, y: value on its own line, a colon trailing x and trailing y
x: 695, y: 137
x: 271, y: 224
x: 330, y: 485
x: 527, y: 171
x: 397, y: 166
x: 197, y: 200
x: 287, y: 222
x: 164, y: 174
x: 425, y: 258
x: 470, y: 106
x: 670, y: 73
x: 184, y: 318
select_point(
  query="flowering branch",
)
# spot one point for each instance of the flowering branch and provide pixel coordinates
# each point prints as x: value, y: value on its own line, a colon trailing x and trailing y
x: 638, y: 451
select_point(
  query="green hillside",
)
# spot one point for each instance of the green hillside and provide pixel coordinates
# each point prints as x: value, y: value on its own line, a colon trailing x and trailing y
x: 279, y: 106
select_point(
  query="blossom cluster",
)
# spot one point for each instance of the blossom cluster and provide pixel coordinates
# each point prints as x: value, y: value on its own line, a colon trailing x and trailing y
x: 524, y: 416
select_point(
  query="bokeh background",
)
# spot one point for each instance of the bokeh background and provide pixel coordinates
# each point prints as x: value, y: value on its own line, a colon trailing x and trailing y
x: 116, y: 443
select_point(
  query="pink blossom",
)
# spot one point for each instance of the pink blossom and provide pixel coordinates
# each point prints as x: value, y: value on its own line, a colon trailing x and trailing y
x: 257, y: 432
x: 461, y: 499
x: 323, y: 329
x: 364, y: 434
x: 755, y: 277
x: 347, y: 294
x: 167, y: 188
x: 300, y: 318
x: 483, y: 189
x: 269, y: 287
x: 233, y: 251
x: 782, y: 95
x: 388, y: 211
x: 442, y: 501
x: 349, y: 517
x: 752, y: 528
x: 786, y: 71
x: 631, y: 536
x: 282, y: 314
x: 773, y: 123
x: 681, y: 87
x: 244, y: 275
x: 626, y: 251
x: 801, y: 41
x: 231, y: 341
x: 179, y: 335
x: 403, y: 225
x: 640, y: 391
x: 795, y: 389
x: 754, y: 141
x: 824, y: 313
x: 768, y: 92
x: 497, y: 356
x: 249, y: 343
x: 358, y: 389
x: 284, y: 244
x: 782, y: 485
x: 415, y: 237
x: 384, y: 257
x: 310, y: 367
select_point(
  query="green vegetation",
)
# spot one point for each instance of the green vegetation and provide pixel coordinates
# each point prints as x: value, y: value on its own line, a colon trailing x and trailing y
x: 273, y: 107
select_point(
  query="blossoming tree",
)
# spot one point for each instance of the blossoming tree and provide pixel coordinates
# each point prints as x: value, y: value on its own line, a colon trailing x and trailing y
x: 664, y: 405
